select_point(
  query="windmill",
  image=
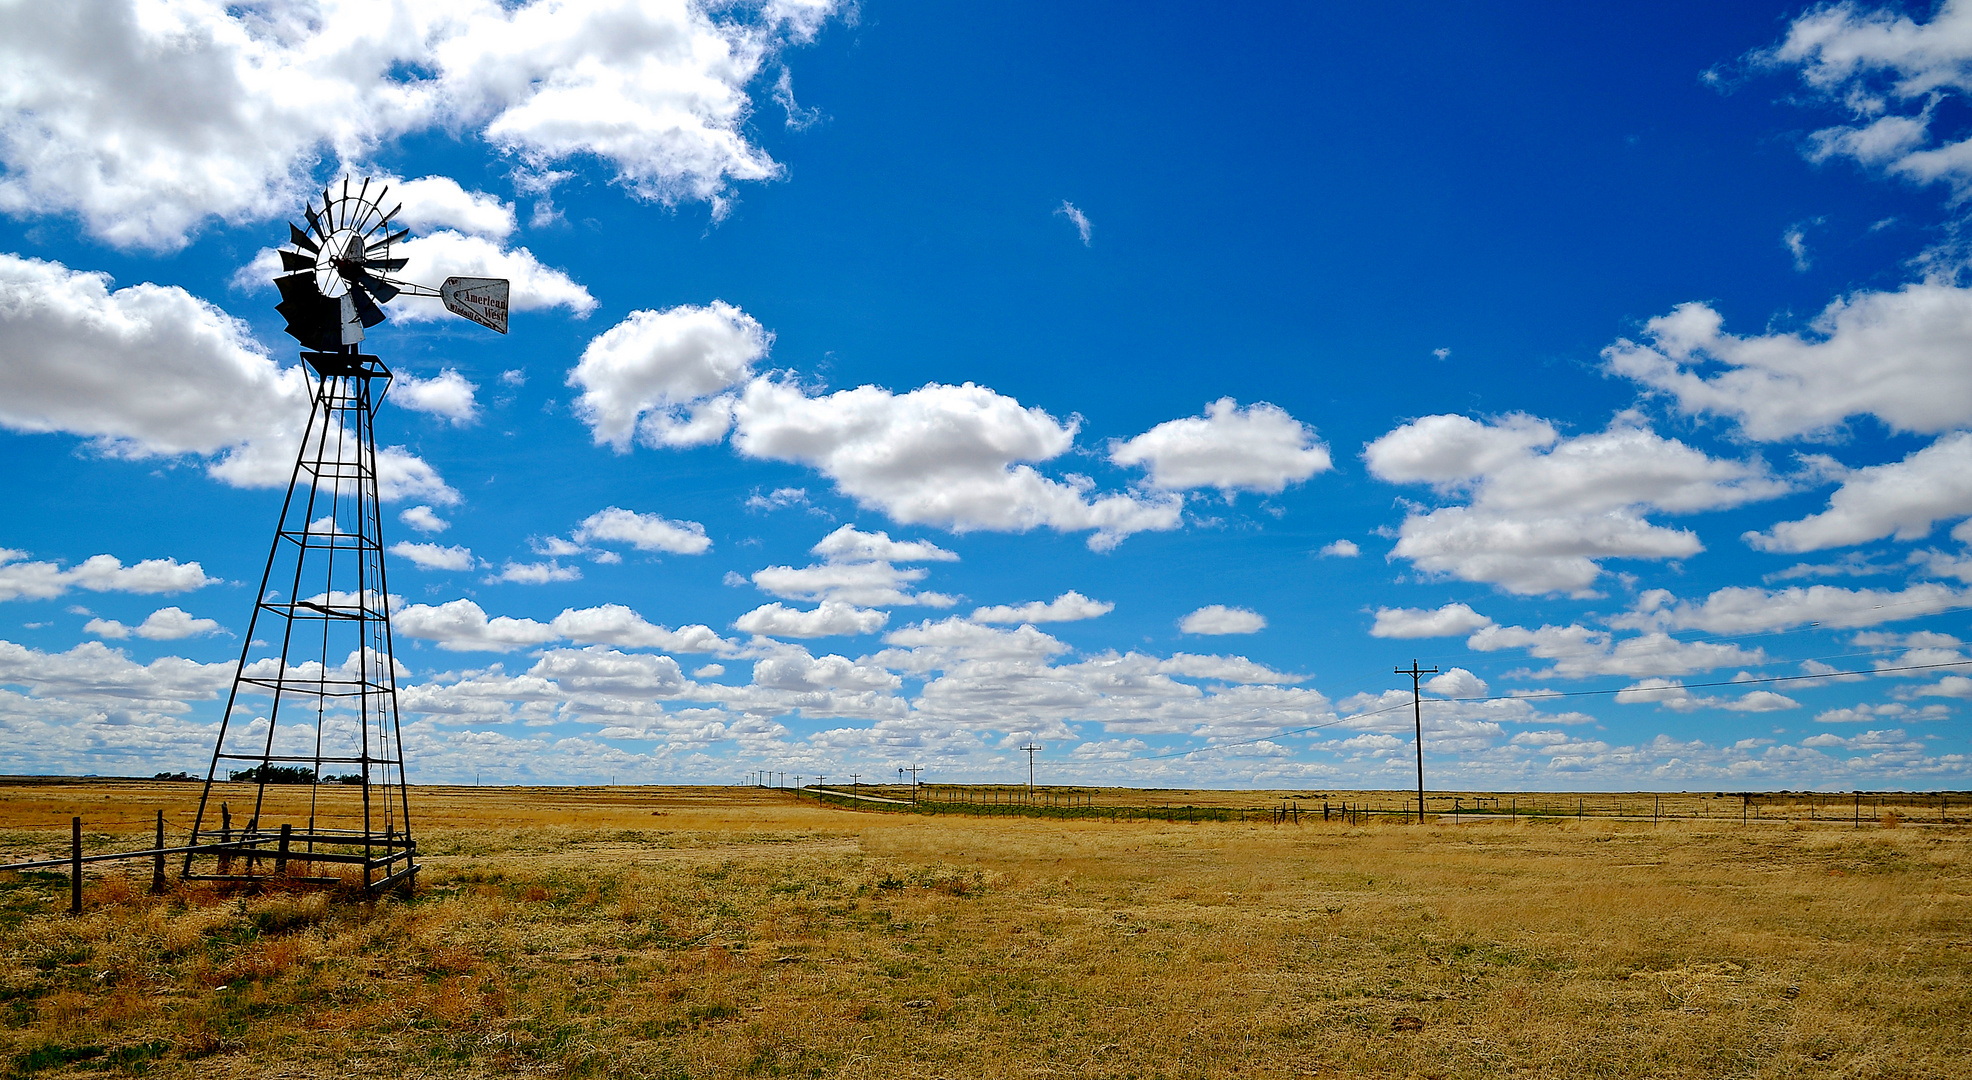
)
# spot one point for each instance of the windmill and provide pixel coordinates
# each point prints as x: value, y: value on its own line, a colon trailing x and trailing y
x: 315, y: 693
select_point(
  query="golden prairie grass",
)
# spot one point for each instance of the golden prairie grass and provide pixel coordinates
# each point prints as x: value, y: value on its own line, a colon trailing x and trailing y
x: 668, y: 933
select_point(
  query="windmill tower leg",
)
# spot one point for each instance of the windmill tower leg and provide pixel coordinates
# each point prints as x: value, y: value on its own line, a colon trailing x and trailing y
x: 315, y: 693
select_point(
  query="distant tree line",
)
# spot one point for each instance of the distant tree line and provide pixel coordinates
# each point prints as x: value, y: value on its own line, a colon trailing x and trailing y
x: 284, y: 774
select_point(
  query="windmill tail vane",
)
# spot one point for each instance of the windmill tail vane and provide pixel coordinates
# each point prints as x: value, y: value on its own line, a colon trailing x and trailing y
x: 307, y: 782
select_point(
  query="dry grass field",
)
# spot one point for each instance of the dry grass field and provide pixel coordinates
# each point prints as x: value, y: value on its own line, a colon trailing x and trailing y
x: 707, y: 932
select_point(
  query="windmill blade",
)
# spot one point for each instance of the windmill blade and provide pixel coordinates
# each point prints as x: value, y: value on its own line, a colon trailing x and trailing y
x: 366, y: 308
x: 385, y: 223
x: 298, y: 287
x: 315, y: 219
x: 313, y: 319
x: 301, y: 239
x: 379, y: 289
x: 387, y: 241
x: 385, y: 264
x: 293, y: 260
x: 375, y: 208
x: 360, y: 194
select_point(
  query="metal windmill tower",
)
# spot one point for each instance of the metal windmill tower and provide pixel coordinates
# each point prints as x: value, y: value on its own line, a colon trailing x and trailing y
x: 315, y: 693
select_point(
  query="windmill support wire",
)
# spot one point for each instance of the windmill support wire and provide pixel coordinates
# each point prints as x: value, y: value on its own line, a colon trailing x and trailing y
x: 316, y: 686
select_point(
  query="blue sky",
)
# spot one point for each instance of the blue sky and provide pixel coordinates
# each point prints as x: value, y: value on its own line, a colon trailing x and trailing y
x: 896, y: 385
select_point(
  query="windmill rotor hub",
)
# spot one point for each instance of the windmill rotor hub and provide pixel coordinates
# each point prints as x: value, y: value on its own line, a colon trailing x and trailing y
x: 340, y: 264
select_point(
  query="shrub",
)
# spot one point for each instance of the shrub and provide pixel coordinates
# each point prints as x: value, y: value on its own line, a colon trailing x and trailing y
x: 274, y: 774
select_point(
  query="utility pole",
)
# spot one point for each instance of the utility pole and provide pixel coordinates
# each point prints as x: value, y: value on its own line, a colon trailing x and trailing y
x: 1417, y: 716
x: 856, y: 784
x: 914, y: 771
x: 1032, y: 749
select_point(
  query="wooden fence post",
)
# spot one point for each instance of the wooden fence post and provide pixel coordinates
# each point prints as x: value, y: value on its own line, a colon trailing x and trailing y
x: 75, y: 866
x: 157, y: 860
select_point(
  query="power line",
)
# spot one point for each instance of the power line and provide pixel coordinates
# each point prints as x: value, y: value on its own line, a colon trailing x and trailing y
x: 1542, y: 696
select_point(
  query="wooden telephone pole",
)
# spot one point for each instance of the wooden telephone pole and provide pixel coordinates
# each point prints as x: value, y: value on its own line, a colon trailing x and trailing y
x: 1417, y: 716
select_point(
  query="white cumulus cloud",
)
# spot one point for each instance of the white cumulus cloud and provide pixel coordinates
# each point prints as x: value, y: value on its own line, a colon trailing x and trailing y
x: 1902, y: 499
x: 423, y: 519
x: 153, y: 371
x: 463, y: 626
x: 1220, y: 619
x: 1258, y: 448
x: 41, y: 580
x: 1903, y: 357
x: 860, y: 571
x: 545, y: 572
x: 1673, y: 695
x: 640, y: 378
x: 829, y: 619
x: 1866, y: 60
x: 448, y: 395
x: 958, y: 457
x: 1578, y: 652
x: 1452, y: 620
x: 146, y: 119
x: 614, y: 624
x: 164, y: 624
x: 434, y: 556
x: 1544, y: 510
x: 1742, y: 609
x: 645, y: 532
x: 1456, y: 683
x: 850, y: 544
x: 440, y: 202
x: 865, y: 584
x: 1068, y: 607
x: 951, y: 456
